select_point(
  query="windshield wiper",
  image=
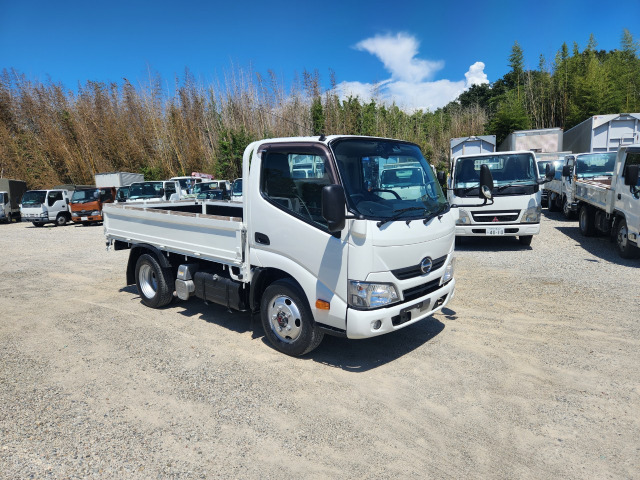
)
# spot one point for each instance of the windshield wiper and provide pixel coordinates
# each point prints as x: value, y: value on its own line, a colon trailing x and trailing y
x: 513, y: 184
x: 398, y: 215
x: 438, y: 213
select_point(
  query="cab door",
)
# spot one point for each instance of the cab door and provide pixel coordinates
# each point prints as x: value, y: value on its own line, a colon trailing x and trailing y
x: 56, y: 203
x: 287, y: 231
x: 627, y: 198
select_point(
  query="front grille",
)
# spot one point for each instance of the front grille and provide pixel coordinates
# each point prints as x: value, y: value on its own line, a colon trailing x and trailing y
x: 495, y: 216
x: 421, y: 290
x: 414, y: 270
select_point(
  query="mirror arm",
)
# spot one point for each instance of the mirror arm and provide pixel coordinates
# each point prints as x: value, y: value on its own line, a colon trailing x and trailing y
x: 354, y: 217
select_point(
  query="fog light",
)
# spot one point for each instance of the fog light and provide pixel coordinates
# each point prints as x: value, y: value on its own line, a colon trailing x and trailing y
x: 377, y: 324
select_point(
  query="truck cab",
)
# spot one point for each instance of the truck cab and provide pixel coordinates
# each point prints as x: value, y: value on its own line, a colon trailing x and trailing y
x: 517, y: 198
x: 87, y: 203
x: 187, y: 183
x: 163, y: 190
x: 46, y: 206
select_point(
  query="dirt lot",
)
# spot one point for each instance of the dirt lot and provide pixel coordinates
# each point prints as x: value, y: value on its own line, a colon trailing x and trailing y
x: 532, y: 372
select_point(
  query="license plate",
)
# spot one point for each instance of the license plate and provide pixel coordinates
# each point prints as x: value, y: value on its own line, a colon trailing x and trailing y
x: 84, y: 219
x: 495, y: 231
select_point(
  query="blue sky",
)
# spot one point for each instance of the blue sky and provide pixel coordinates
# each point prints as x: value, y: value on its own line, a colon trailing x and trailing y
x: 419, y: 52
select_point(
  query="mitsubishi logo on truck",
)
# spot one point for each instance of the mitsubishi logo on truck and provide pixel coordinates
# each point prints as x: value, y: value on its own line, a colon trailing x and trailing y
x: 425, y: 265
x: 495, y: 219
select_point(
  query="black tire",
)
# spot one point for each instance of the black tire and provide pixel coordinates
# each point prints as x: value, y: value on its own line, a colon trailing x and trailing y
x: 61, y: 220
x: 625, y: 248
x: 587, y: 221
x: 38, y: 224
x: 287, y: 319
x: 155, y: 284
x: 566, y: 209
x: 551, y: 203
x: 525, y: 240
x: 18, y: 218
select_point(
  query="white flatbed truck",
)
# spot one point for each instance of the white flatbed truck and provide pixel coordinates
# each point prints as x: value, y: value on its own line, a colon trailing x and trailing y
x: 334, y: 253
x: 611, y: 204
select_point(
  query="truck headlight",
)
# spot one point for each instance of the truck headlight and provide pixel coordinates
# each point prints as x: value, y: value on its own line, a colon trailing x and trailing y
x: 448, y: 272
x: 463, y: 217
x: 94, y: 213
x: 371, y: 295
x: 532, y: 215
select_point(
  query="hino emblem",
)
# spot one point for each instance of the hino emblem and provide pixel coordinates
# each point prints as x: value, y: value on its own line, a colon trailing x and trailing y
x: 426, y: 264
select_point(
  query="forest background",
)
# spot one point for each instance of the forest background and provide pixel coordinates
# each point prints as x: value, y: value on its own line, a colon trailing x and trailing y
x: 50, y: 135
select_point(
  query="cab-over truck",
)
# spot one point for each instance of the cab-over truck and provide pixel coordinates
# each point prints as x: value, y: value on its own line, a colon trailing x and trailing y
x: 322, y: 254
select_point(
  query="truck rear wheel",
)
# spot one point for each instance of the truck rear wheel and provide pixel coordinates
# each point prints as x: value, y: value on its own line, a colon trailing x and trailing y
x: 155, y: 284
x: 625, y: 248
x: 586, y: 221
x: 287, y: 319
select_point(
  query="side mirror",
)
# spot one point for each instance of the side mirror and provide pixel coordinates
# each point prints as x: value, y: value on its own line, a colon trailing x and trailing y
x: 566, y: 171
x: 486, y: 182
x: 333, y: 203
x: 550, y: 172
x: 442, y: 177
x: 631, y: 175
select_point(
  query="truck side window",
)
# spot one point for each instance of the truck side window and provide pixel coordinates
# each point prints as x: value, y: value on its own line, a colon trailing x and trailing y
x: 294, y: 182
x: 169, y: 189
x: 53, y: 197
x: 633, y: 158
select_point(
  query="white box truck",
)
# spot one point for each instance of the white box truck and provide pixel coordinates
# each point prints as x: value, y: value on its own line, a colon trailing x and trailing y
x: 332, y: 253
x: 603, y: 133
x: 472, y: 145
x: 542, y: 140
x: 611, y: 204
x: 11, y: 192
x: 117, y: 179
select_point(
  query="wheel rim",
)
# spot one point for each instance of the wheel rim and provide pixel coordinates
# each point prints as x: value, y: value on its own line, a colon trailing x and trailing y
x: 622, y: 237
x: 285, y: 318
x: 148, y: 281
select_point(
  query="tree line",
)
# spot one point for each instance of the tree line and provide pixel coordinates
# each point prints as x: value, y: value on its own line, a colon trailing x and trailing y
x: 51, y: 135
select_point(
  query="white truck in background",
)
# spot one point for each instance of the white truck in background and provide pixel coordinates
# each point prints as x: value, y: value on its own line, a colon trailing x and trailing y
x: 46, y: 206
x: 611, y: 204
x: 117, y: 179
x: 562, y: 189
x: 11, y: 192
x: 517, y: 199
x: 313, y: 255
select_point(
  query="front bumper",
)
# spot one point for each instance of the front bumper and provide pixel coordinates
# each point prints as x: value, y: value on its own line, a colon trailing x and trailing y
x: 35, y: 217
x: 510, y: 230
x: 360, y: 323
x: 86, y: 218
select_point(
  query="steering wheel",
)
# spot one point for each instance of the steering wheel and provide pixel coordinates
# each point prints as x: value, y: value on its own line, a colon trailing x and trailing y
x: 386, y: 191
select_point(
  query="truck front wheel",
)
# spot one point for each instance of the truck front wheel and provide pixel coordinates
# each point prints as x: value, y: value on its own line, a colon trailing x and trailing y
x: 625, y: 248
x: 155, y: 284
x: 61, y: 220
x: 287, y: 319
x: 566, y: 209
x: 586, y: 221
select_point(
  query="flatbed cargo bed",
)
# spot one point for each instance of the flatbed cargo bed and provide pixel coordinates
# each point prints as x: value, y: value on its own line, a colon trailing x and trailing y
x: 210, y: 230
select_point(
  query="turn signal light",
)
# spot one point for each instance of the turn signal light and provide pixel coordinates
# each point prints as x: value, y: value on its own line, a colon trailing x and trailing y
x: 322, y: 304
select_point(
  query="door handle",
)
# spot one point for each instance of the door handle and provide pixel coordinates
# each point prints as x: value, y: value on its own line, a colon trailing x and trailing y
x: 262, y: 239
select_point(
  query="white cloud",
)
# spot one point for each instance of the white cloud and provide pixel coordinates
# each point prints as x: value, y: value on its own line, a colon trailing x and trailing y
x: 409, y: 86
x: 476, y: 75
x: 398, y: 55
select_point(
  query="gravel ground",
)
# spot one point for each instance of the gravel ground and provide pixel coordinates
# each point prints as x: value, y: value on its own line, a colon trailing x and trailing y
x: 532, y: 372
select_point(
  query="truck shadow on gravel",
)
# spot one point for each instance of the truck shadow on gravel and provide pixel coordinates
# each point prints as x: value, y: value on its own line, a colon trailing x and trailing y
x: 349, y: 355
x: 599, y: 246
x: 491, y: 244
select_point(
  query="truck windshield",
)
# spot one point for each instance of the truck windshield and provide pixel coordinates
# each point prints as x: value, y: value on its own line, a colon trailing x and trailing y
x: 144, y: 190
x: 34, y: 197
x: 84, y: 196
x: 386, y: 179
x: 595, y: 164
x: 3, y: 198
x: 507, y: 169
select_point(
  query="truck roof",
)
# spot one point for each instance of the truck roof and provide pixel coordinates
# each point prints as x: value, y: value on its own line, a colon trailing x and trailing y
x: 496, y: 154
